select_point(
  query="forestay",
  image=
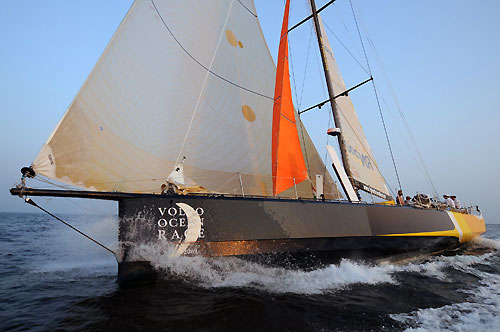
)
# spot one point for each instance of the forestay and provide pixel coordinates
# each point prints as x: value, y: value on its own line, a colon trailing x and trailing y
x: 185, y: 83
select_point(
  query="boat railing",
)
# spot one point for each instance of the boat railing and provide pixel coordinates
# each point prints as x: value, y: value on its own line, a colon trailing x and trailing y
x: 240, y: 185
x: 472, y: 209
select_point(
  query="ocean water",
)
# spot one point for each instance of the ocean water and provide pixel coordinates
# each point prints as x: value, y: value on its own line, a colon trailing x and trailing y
x: 52, y: 279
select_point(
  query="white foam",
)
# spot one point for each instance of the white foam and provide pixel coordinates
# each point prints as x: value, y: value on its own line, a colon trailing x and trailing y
x: 238, y: 273
x: 484, y: 242
x: 435, y: 266
x: 480, y: 313
x: 233, y: 272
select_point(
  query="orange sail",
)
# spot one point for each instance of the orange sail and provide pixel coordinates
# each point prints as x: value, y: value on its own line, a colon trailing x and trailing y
x: 288, y: 162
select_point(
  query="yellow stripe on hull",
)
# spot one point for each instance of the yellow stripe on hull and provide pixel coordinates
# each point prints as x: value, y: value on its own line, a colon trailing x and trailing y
x: 467, y: 227
x: 471, y: 226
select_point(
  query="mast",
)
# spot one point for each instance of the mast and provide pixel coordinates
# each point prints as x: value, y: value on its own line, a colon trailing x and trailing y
x: 336, y: 119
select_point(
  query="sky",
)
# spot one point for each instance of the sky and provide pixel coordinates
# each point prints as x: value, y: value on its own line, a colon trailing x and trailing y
x: 440, y: 58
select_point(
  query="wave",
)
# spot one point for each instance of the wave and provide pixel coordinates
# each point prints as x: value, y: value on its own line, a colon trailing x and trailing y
x: 484, y: 242
x: 480, y: 313
x: 234, y: 272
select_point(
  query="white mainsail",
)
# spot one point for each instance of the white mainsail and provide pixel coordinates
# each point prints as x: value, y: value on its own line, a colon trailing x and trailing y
x: 188, y: 81
x: 360, y: 158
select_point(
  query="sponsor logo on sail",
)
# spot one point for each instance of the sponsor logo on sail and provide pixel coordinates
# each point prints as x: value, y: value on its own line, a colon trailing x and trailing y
x: 363, y: 158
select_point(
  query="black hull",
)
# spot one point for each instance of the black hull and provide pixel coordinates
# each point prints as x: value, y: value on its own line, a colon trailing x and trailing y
x: 291, y: 233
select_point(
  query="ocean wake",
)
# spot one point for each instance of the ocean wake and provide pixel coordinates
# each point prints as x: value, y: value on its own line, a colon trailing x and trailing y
x: 234, y: 272
x: 484, y: 242
x: 481, y: 311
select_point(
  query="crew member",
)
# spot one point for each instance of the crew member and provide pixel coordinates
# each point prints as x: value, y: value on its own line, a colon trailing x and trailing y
x: 408, y: 200
x: 400, y: 200
x: 456, y: 202
x: 163, y: 189
x: 172, y: 189
x: 449, y: 202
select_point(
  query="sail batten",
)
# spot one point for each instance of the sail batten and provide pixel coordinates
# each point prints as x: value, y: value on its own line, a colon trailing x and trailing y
x: 174, y: 84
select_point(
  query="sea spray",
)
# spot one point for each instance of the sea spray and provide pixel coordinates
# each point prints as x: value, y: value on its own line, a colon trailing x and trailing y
x: 482, y: 242
x: 62, y: 249
x: 457, y: 291
x: 234, y: 272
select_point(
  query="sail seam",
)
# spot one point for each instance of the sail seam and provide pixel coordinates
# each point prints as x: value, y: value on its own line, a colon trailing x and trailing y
x: 199, y: 63
x: 204, y: 83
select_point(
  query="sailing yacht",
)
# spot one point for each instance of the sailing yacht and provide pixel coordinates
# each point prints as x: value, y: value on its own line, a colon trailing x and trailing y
x: 193, y: 98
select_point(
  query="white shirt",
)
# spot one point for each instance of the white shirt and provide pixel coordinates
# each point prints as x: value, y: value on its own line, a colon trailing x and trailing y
x: 449, y: 202
x: 457, y: 204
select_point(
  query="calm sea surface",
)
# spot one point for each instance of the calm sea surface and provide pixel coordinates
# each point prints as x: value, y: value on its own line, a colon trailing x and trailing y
x: 52, y: 279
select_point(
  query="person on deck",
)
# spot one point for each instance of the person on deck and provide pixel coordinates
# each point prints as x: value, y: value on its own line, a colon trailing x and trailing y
x: 449, y: 202
x: 457, y: 203
x: 172, y: 189
x: 408, y: 200
x: 400, y: 200
x: 163, y: 189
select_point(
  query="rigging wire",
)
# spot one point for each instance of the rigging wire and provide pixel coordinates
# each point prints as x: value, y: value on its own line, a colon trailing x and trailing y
x: 376, y: 95
x: 363, y: 146
x: 399, y: 108
x: 348, y: 32
x: 30, y: 201
x: 347, y: 50
x: 327, y: 142
x: 293, y: 73
x: 298, y: 105
x: 405, y: 140
x: 67, y: 187
x: 203, y: 87
x: 45, y: 180
x: 304, y: 144
x: 248, y: 9
x: 330, y: 114
x: 299, y: 102
x: 386, y: 135
x: 202, y: 65
x: 341, y: 112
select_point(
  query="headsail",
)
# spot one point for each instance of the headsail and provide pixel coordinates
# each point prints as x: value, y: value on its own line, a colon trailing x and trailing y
x: 174, y: 83
x: 289, y: 168
x: 362, y: 164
